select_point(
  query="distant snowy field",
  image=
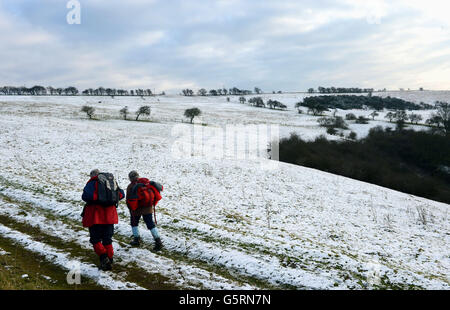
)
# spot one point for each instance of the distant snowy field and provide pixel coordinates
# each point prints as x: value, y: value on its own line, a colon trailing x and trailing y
x: 216, y: 111
x: 226, y: 223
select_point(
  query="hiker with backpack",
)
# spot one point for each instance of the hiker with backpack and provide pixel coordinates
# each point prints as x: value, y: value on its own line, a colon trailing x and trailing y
x: 102, y: 196
x: 142, y: 197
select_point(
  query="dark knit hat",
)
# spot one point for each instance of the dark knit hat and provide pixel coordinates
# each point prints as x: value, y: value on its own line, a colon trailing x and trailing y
x: 133, y: 175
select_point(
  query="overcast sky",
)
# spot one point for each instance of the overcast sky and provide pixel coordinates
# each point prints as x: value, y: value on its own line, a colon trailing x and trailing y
x: 283, y: 45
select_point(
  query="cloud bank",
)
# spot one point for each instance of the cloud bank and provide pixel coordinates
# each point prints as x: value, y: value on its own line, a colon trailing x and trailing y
x: 276, y: 45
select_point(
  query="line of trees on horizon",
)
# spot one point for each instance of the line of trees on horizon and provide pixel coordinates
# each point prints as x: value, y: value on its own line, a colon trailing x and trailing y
x: 341, y: 90
x: 71, y: 91
x: 242, y: 92
x: 220, y: 92
x: 39, y: 90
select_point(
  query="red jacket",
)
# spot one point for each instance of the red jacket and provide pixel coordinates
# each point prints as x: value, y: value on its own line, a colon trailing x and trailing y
x: 94, y: 214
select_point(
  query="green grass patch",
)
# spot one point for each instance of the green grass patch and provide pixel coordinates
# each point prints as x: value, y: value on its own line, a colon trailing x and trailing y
x: 40, y: 274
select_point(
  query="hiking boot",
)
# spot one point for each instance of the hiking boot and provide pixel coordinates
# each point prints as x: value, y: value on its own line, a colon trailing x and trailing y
x: 105, y: 263
x: 158, y: 245
x: 136, y: 241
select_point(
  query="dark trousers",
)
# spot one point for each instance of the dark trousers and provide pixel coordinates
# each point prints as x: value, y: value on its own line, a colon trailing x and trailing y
x: 148, y: 219
x: 101, y: 233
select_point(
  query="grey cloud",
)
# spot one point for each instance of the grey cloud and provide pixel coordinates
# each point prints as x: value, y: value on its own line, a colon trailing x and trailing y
x: 168, y: 45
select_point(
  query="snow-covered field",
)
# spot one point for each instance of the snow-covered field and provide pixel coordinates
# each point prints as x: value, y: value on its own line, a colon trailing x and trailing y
x: 227, y: 222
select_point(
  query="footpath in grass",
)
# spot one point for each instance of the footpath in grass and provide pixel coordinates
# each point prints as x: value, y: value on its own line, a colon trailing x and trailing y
x: 21, y: 269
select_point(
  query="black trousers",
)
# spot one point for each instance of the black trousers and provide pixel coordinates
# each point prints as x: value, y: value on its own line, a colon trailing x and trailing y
x: 101, y: 233
x: 148, y: 219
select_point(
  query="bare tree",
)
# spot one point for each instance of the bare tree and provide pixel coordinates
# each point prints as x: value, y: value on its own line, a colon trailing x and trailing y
x: 374, y: 114
x: 202, y: 92
x: 88, y: 110
x: 443, y: 112
x: 124, y: 112
x: 144, y: 110
x: 415, y: 118
x: 191, y: 113
x: 390, y: 116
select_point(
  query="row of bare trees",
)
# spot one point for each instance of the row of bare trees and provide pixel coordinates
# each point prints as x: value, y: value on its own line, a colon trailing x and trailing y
x: 259, y: 102
x: 38, y: 91
x: 124, y: 112
x: 220, y: 92
x: 71, y: 91
x: 142, y: 111
x: 439, y: 119
x: 101, y: 91
x: 340, y: 90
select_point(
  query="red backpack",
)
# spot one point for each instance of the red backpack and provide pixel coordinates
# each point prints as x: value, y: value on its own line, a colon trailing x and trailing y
x: 145, y: 193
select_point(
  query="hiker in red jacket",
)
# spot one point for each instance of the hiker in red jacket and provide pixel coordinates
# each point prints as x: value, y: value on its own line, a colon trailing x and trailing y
x: 142, y: 197
x: 100, y: 214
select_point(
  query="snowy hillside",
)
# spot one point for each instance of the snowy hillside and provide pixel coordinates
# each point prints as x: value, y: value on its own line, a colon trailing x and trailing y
x: 226, y: 223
